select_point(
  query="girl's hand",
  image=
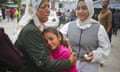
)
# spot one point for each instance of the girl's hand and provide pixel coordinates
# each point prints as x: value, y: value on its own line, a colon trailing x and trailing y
x: 72, y: 59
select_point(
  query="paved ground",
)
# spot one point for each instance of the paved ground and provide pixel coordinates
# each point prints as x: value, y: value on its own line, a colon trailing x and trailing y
x: 10, y: 27
x: 113, y: 63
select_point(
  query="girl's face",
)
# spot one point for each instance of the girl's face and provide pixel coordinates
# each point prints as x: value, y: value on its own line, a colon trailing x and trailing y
x: 52, y: 40
x: 82, y: 11
x: 43, y: 11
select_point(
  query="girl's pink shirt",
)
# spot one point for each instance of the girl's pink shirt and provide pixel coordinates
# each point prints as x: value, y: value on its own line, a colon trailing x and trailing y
x: 63, y: 53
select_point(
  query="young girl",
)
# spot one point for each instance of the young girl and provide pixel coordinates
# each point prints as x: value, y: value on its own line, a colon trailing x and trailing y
x: 58, y: 46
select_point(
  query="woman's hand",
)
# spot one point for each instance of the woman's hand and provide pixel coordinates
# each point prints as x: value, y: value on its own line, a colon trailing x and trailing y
x: 88, y: 57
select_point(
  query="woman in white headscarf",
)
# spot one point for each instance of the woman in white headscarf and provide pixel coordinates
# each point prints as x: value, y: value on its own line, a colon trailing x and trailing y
x: 31, y: 43
x: 87, y: 37
x: 30, y: 10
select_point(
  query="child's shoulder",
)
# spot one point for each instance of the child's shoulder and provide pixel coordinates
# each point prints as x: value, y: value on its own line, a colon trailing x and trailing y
x: 64, y: 52
x: 64, y: 49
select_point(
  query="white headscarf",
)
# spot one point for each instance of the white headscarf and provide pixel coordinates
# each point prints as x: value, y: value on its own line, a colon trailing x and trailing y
x: 30, y: 14
x: 30, y: 11
x: 89, y: 4
x: 87, y: 23
x: 90, y: 7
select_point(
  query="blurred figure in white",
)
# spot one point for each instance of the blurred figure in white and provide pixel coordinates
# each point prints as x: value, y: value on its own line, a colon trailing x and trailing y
x: 0, y: 14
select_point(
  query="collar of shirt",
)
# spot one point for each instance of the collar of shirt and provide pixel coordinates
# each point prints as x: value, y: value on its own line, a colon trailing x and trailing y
x: 83, y: 25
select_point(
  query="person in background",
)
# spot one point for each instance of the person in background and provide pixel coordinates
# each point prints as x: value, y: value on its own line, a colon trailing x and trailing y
x: 31, y: 43
x: 59, y: 14
x: 67, y: 15
x: 7, y: 13
x: 0, y: 14
x: 22, y: 9
x: 18, y: 14
x: 3, y: 13
x: 105, y: 18
x: 59, y: 49
x: 72, y: 16
x: 12, y: 13
x: 116, y: 22
x: 89, y: 40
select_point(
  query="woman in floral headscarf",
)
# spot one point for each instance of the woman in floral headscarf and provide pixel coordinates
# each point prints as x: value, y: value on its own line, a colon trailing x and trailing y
x: 31, y: 43
x: 88, y: 38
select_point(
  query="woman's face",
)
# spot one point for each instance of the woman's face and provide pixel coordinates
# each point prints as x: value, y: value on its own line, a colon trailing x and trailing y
x: 53, y: 41
x: 82, y: 11
x: 43, y: 11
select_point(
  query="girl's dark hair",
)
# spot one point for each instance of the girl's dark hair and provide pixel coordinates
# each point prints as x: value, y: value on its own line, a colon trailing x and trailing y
x: 57, y: 33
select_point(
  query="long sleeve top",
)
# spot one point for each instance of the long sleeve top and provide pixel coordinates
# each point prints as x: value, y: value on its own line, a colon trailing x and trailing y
x: 63, y: 53
x: 103, y: 50
x: 35, y: 53
x: 9, y: 55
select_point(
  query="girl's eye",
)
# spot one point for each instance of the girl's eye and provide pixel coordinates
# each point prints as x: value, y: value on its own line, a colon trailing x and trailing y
x: 51, y: 39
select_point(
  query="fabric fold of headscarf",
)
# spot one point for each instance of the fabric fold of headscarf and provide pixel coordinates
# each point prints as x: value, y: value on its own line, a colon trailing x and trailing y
x: 30, y: 11
x: 30, y: 14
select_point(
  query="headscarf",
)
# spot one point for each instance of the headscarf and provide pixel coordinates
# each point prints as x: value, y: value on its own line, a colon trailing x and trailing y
x: 87, y: 23
x: 89, y: 4
x: 30, y: 14
x: 30, y: 11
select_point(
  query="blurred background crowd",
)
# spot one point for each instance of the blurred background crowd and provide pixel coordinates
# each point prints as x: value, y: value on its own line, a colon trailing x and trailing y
x: 62, y: 11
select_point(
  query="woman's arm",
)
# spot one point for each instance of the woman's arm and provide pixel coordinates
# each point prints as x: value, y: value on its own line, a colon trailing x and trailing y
x: 38, y: 53
x: 103, y: 51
